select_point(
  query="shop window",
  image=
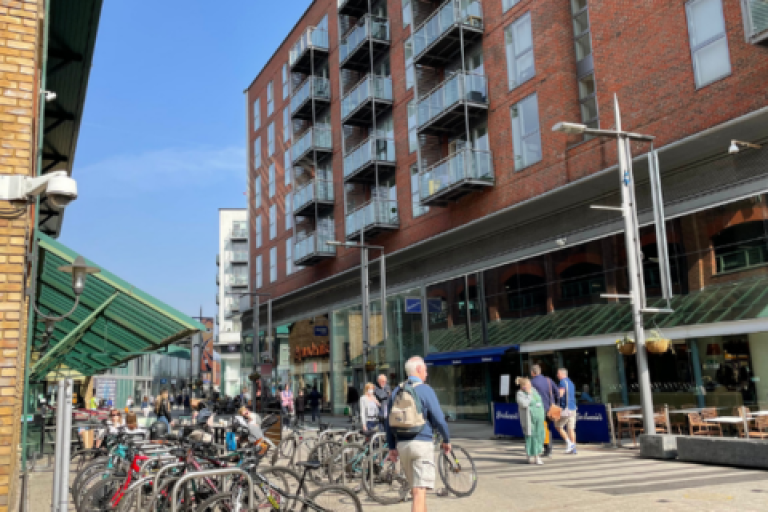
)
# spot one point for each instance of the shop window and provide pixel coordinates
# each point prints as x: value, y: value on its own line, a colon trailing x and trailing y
x: 526, y: 292
x: 740, y: 247
x: 582, y: 280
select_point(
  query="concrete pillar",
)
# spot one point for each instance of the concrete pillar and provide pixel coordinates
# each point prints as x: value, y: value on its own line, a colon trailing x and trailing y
x: 758, y: 349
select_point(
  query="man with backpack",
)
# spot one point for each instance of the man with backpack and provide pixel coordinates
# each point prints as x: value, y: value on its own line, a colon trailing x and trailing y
x: 414, y: 413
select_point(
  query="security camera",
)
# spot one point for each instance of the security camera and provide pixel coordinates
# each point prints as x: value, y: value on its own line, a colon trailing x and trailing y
x: 561, y: 242
x: 49, y: 95
x: 60, y: 188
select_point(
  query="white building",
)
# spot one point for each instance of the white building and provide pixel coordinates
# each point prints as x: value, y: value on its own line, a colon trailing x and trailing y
x: 232, y: 280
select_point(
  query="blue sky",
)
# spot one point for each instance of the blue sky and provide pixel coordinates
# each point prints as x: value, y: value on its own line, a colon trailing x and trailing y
x: 162, y: 141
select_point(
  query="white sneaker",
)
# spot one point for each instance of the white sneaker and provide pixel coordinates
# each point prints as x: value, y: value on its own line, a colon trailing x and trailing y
x: 531, y: 460
x: 539, y: 461
x: 570, y: 448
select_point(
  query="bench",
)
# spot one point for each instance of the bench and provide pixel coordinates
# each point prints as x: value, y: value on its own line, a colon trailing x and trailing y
x: 723, y: 451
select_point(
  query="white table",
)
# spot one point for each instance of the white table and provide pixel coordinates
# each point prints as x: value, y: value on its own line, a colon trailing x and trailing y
x: 759, y: 413
x: 626, y: 408
x: 726, y: 419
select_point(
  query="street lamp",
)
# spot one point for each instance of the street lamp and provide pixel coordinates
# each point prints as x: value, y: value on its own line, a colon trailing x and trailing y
x: 365, y: 289
x: 80, y: 271
x: 631, y: 235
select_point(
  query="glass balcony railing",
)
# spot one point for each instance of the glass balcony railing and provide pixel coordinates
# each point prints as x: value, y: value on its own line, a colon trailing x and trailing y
x: 313, y: 37
x: 239, y: 232
x: 315, y: 190
x: 374, y: 212
x: 373, y: 149
x: 239, y: 257
x: 468, y: 164
x: 317, y: 137
x: 449, y: 14
x: 379, y: 87
x: 369, y: 26
x: 314, y: 86
x: 757, y: 19
x: 314, y: 244
x: 457, y: 88
x: 238, y: 280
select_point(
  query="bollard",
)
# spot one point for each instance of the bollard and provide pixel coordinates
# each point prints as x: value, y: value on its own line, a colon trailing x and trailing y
x: 666, y: 417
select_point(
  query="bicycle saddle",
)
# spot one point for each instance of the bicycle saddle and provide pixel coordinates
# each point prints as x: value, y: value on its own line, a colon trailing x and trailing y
x: 311, y: 464
x: 369, y: 433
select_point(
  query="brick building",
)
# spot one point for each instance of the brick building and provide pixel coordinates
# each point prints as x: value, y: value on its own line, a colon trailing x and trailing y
x: 424, y: 127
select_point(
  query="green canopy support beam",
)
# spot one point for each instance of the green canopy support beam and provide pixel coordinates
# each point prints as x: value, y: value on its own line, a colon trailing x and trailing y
x: 71, y: 339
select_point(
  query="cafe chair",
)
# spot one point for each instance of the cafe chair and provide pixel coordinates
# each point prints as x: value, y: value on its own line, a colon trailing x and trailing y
x: 698, y: 427
x: 627, y: 425
x: 761, y: 428
x: 711, y: 413
x: 739, y: 411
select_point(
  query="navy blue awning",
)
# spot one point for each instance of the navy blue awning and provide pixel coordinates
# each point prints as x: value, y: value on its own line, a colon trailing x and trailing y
x: 472, y: 356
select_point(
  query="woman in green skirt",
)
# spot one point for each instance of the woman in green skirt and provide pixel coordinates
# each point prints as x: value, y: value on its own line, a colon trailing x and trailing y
x: 532, y: 416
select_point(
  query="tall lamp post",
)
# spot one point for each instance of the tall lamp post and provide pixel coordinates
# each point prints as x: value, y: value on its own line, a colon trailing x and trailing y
x: 255, y: 341
x: 628, y: 211
x: 365, y: 286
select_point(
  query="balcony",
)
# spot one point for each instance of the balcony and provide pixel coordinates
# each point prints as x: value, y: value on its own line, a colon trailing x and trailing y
x: 439, y: 38
x: 310, y: 97
x: 239, y: 257
x: 218, y: 260
x: 372, y: 218
x: 456, y: 176
x: 360, y: 163
x: 316, y: 193
x: 317, y: 139
x: 357, y: 105
x: 444, y: 109
x: 303, y: 52
x: 354, y: 8
x: 313, y: 249
x: 237, y: 281
x: 218, y: 279
x: 756, y: 21
x: 217, y: 299
x: 239, y: 232
x: 370, y: 35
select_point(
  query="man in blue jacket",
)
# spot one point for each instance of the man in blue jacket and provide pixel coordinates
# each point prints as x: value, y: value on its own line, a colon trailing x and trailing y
x: 417, y: 456
x: 550, y: 394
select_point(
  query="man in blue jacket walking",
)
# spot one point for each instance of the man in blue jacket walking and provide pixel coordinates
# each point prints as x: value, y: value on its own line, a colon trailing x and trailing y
x: 550, y: 394
x: 417, y: 456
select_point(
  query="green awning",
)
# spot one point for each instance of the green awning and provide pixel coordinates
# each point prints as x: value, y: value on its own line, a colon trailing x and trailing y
x: 740, y: 300
x: 114, y: 322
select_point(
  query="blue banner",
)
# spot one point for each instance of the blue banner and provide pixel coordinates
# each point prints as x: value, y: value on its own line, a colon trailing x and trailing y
x: 321, y: 330
x: 413, y: 305
x: 591, y: 423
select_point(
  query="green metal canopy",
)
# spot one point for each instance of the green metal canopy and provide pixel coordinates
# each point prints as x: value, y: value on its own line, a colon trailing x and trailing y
x: 113, y: 323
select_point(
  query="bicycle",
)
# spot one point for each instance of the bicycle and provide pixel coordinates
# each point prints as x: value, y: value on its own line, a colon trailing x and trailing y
x: 457, y: 469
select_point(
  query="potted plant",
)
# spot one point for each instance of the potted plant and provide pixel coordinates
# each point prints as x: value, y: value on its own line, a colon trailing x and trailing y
x: 370, y: 366
x: 656, y: 343
x: 626, y: 346
x: 254, y: 376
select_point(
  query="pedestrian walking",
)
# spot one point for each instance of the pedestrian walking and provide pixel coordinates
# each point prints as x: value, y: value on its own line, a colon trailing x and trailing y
x: 369, y: 408
x: 163, y: 409
x: 314, y: 402
x: 353, y: 401
x: 382, y: 393
x: 549, y: 393
x: 145, y: 406
x: 414, y: 414
x: 301, y: 403
x: 566, y: 425
x: 286, y: 402
x: 129, y: 403
x: 532, y: 419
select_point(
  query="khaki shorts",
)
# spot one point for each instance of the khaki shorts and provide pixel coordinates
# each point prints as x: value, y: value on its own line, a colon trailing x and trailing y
x: 418, y: 461
x: 569, y: 422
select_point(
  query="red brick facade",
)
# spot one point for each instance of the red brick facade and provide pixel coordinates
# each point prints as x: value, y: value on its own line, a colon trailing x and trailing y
x: 641, y: 52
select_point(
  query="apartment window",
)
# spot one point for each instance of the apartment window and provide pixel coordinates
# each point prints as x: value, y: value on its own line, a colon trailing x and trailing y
x: 288, y: 210
x: 508, y: 4
x: 257, y: 114
x: 709, y: 46
x: 258, y: 271
x: 272, y: 222
x: 526, y: 136
x: 418, y: 209
x: 581, y: 29
x: 588, y: 99
x: 270, y: 100
x: 519, y: 41
x: 289, y: 256
x: 271, y: 138
x: 257, y: 153
x: 257, y: 192
x: 286, y: 82
x: 273, y: 265
x: 272, y: 179
x: 258, y: 231
x: 413, y: 137
x: 287, y: 131
x: 407, y: 13
x: 409, y: 71
x: 287, y: 167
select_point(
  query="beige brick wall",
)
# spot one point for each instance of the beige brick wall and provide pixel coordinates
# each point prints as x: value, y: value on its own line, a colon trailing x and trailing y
x: 19, y: 63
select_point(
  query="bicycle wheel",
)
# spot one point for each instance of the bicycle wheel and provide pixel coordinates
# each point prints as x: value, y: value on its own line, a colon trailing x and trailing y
x: 322, y: 453
x: 79, y: 459
x: 458, y: 472
x: 383, y: 480
x: 88, y: 469
x: 290, y: 481
x: 335, y: 498
x: 90, y: 481
x: 98, y: 497
x: 225, y: 502
x: 303, y: 450
x: 345, y: 466
x: 284, y: 450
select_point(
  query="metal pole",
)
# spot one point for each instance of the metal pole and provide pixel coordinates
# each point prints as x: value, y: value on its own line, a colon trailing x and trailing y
x: 57, y: 447
x: 383, y: 285
x: 629, y: 213
x: 255, y: 348
x: 366, y: 310
x: 66, y: 439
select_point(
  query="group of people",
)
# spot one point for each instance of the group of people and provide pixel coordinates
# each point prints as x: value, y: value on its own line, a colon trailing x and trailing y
x: 372, y: 406
x: 297, y: 403
x: 542, y: 402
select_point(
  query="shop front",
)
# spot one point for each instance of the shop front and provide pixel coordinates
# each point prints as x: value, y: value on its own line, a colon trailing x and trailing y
x: 304, y: 357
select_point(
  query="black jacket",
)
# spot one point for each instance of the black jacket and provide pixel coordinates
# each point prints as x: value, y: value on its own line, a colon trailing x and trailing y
x: 163, y: 409
x: 352, y: 395
x: 382, y: 394
x: 314, y: 398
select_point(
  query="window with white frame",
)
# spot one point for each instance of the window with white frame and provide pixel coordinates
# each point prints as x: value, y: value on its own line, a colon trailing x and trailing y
x: 258, y: 231
x: 270, y: 100
x: 271, y: 182
x: 257, y: 192
x: 271, y: 138
x: 257, y: 153
x: 273, y: 264
x: 418, y: 209
x: 272, y: 222
x: 581, y: 31
x: 519, y: 42
x: 258, y: 271
x: 287, y: 167
x: 286, y: 82
x: 588, y: 100
x: 257, y: 114
x: 526, y: 136
x: 407, y: 13
x: 508, y: 4
x: 409, y: 70
x: 413, y: 136
x: 287, y: 131
x: 289, y: 256
x: 288, y: 210
x: 709, y: 44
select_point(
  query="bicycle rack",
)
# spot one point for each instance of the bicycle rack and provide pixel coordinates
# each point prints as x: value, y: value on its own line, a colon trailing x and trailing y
x: 375, y: 438
x: 142, y: 481
x: 214, y: 472
x: 162, y: 470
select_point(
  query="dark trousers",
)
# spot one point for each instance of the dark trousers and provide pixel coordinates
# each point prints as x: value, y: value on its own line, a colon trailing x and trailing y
x: 315, y: 412
x: 300, y: 415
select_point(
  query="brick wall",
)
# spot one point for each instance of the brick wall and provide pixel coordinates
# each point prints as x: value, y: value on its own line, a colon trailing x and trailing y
x: 641, y: 52
x: 18, y: 81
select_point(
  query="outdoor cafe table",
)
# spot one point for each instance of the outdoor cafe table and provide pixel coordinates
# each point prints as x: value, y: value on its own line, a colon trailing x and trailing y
x: 759, y: 413
x: 618, y: 409
x: 729, y: 420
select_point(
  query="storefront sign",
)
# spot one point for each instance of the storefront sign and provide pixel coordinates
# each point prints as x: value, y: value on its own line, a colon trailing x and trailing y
x: 413, y: 305
x: 434, y: 305
x: 321, y: 330
x: 591, y: 423
x: 314, y: 350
